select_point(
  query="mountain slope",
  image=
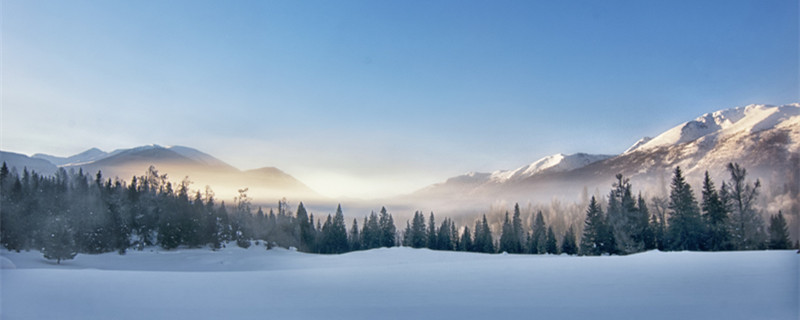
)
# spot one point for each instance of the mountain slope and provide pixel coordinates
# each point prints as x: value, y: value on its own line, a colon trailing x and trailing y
x: 90, y: 155
x: 20, y: 162
x: 764, y: 139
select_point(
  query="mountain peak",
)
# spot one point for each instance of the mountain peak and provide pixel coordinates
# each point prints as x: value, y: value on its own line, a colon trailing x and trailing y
x: 748, y: 119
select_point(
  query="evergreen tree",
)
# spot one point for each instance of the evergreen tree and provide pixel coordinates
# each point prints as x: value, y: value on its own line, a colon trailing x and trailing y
x: 338, y: 234
x: 594, y: 241
x: 646, y: 233
x: 551, y: 246
x: 537, y: 242
x: 568, y: 244
x: 466, y: 240
x: 355, y: 238
x: 483, y: 237
x: 307, y: 236
x: 507, y: 242
x: 388, y: 230
x: 779, y: 233
x: 418, y: 234
x: 432, y: 238
x: 715, y: 217
x: 371, y: 233
x: 685, y: 225
x: 623, y: 218
x: 444, y: 236
x: 747, y: 227
x: 59, y: 243
x: 519, y: 233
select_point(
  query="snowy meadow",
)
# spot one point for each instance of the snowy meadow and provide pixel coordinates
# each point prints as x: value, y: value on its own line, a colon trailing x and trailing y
x: 399, y: 283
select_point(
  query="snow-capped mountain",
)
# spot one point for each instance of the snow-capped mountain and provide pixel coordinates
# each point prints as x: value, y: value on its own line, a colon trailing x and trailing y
x: 712, y: 126
x: 762, y: 138
x: 550, y: 164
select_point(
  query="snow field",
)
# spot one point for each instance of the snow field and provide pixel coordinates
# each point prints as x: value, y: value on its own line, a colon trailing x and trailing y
x: 400, y: 283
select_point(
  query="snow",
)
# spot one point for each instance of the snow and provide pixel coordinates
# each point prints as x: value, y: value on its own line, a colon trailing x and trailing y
x: 749, y: 119
x: 553, y: 163
x: 400, y: 283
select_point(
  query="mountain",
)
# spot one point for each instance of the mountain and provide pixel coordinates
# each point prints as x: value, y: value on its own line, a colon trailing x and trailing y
x: 19, y: 162
x: 762, y: 138
x: 90, y: 155
x: 178, y: 162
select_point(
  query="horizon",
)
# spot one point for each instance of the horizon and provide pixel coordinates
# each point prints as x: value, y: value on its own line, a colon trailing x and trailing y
x: 365, y: 100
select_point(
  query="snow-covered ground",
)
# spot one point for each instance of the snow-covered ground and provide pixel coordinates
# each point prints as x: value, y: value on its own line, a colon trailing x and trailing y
x: 399, y: 283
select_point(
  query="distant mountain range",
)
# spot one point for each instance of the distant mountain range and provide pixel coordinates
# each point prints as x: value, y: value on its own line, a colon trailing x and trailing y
x: 177, y: 162
x: 764, y: 139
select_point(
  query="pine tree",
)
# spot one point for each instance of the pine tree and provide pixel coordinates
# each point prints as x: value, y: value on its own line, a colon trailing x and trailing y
x: 568, y: 244
x: 537, y: 242
x: 646, y: 233
x: 593, y: 241
x: 685, y: 225
x: 779, y: 233
x: 466, y: 240
x: 306, y: 229
x: 507, y: 238
x: 551, y: 246
x: 432, y: 239
x: 715, y: 217
x: 59, y: 243
x: 519, y: 233
x: 388, y: 229
x: 338, y: 235
x: 355, y: 238
x: 444, y: 236
x: 418, y: 234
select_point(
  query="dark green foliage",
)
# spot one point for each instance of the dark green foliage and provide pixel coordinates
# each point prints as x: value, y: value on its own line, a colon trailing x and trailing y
x: 779, y: 233
x: 371, y: 234
x: 417, y: 237
x: 388, y: 232
x: 307, y: 236
x: 433, y: 240
x: 568, y: 243
x: 445, y: 237
x: 715, y: 217
x: 537, y: 241
x: 59, y: 242
x: 595, y: 234
x: 353, y: 237
x: 483, y: 241
x: 519, y: 233
x: 685, y: 226
x: 465, y: 244
x: 551, y: 245
x: 507, y: 242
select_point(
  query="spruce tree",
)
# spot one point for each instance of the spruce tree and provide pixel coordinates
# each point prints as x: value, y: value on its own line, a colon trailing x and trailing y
x: 306, y: 229
x: 779, y: 233
x: 432, y: 239
x: 388, y: 229
x: 551, y: 245
x: 685, y: 225
x: 59, y: 243
x: 507, y: 242
x: 568, y: 244
x: 593, y: 241
x: 715, y: 217
x: 354, y: 238
x: 537, y: 242
x: 418, y: 234
x: 466, y: 240
x: 519, y: 233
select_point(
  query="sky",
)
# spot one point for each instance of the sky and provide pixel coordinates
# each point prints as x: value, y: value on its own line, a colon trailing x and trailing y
x: 369, y: 99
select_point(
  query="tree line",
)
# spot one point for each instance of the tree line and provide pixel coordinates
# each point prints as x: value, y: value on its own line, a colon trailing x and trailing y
x: 73, y: 212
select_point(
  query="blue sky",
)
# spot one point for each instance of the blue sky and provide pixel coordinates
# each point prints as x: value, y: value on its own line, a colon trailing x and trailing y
x: 373, y: 98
